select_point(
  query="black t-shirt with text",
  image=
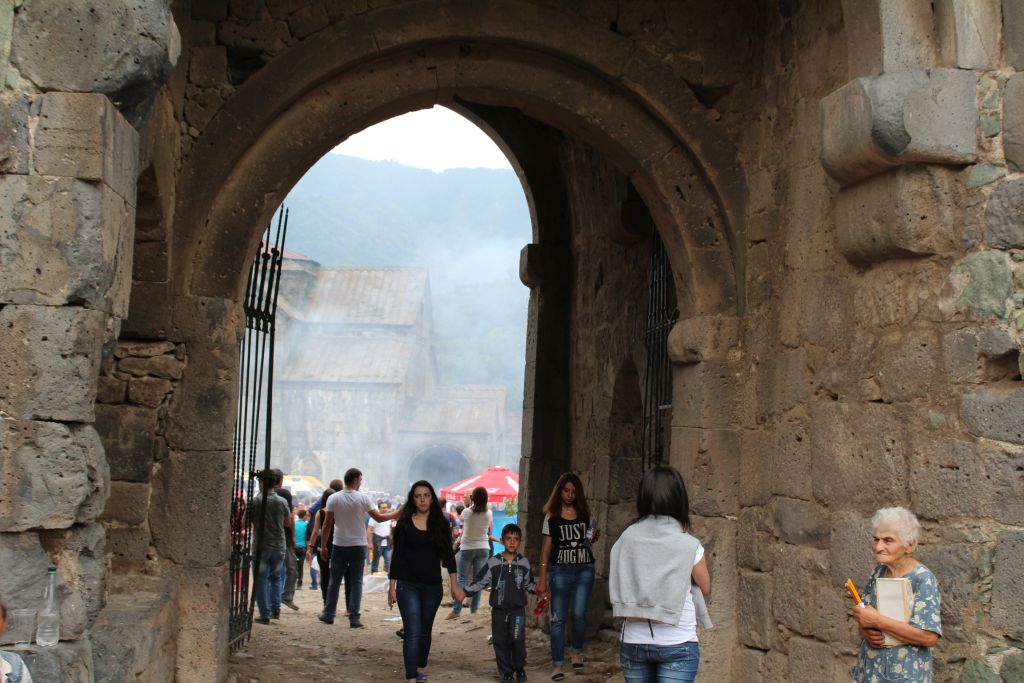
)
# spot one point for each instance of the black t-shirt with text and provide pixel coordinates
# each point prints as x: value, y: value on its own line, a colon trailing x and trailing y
x: 569, y: 542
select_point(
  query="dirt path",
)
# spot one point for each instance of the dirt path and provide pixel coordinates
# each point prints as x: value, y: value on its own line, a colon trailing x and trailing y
x: 298, y: 647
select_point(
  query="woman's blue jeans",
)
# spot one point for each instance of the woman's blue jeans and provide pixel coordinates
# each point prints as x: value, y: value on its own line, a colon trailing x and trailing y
x: 658, y: 663
x: 570, y: 586
x: 470, y: 562
x: 418, y: 603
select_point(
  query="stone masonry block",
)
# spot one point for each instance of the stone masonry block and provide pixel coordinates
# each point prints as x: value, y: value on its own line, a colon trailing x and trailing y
x: 865, y: 467
x: 995, y: 413
x: 208, y: 66
x: 202, y: 414
x: 748, y: 666
x: 203, y: 612
x: 821, y: 612
x: 755, y: 468
x: 704, y: 395
x: 130, y: 50
x: 69, y: 661
x: 128, y: 547
x: 14, y: 130
x: 703, y: 338
x: 24, y: 577
x: 52, y: 475
x: 712, y: 472
x: 965, y: 351
x: 128, y: 503
x: 129, y: 438
x: 211, y: 328
x: 784, y: 382
x: 135, y: 633
x: 800, y: 523
x: 1004, y: 216
x: 849, y: 548
x: 980, y: 284
x: 166, y: 366
x: 969, y: 32
x: 956, y: 569
x: 810, y: 660
x: 883, y: 36
x: 872, y: 124
x: 80, y: 555
x: 1013, y: 119
x: 192, y: 530
x: 65, y: 241
x: 754, y: 599
x: 82, y: 135
x: 791, y: 458
x: 1008, y: 585
x: 904, y: 212
x: 1013, y: 33
x: 905, y: 364
x: 51, y: 362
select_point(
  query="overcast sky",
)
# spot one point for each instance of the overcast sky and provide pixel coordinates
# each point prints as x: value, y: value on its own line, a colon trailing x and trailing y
x: 436, y: 139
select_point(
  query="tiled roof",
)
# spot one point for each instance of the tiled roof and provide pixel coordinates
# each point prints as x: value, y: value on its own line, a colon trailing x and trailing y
x: 350, y: 358
x: 366, y: 296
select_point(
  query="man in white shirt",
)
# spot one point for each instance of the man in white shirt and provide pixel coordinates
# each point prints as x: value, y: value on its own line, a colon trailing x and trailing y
x: 378, y: 535
x: 347, y: 510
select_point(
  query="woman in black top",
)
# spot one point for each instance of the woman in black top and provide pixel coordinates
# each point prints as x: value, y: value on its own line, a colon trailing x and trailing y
x: 422, y: 543
x: 568, y: 532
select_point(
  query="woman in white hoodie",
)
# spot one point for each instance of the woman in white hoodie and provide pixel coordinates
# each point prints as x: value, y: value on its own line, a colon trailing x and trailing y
x: 657, y: 580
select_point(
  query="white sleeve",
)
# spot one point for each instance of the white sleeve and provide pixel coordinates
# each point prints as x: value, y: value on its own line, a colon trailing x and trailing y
x: 699, y: 555
x: 545, y: 529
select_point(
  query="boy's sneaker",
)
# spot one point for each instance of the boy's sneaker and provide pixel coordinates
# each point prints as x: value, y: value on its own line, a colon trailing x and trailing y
x: 521, y: 676
x: 507, y: 677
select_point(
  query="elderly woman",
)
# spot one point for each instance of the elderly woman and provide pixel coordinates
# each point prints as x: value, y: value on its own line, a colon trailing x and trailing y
x: 894, y: 541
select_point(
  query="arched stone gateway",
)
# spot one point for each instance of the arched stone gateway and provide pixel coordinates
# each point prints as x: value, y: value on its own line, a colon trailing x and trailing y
x: 442, y: 464
x: 836, y: 185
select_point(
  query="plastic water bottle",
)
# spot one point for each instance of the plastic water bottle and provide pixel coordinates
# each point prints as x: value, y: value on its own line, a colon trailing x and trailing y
x: 48, y: 619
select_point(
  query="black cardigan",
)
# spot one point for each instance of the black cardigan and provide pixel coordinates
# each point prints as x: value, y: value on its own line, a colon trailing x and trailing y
x: 415, y: 555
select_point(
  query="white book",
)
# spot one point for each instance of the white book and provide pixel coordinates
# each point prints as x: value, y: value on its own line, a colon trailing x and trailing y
x: 894, y: 598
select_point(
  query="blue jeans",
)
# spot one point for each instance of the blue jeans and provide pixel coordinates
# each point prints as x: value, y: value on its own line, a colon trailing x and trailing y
x: 379, y: 552
x: 418, y: 603
x: 270, y: 581
x: 347, y: 563
x: 570, y: 586
x: 470, y: 562
x: 657, y: 663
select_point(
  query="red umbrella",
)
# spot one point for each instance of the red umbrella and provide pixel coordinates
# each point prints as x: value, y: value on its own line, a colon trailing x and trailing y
x: 501, y: 483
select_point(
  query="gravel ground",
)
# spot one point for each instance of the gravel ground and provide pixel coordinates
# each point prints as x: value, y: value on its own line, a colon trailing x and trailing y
x: 300, y: 648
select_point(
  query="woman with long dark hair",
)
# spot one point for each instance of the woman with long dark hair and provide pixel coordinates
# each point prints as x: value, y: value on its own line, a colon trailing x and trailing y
x: 657, y: 581
x: 566, y: 558
x: 315, y: 538
x: 422, y: 543
x: 474, y: 549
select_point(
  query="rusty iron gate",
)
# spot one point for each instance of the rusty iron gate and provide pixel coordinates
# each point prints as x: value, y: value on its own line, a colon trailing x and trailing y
x: 253, y: 420
x: 662, y: 314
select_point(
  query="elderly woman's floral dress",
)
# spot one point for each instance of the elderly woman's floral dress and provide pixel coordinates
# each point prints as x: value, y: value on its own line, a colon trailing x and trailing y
x: 905, y: 663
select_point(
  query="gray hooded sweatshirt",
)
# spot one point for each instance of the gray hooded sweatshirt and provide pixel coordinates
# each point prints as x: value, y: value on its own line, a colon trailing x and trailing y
x: 650, y: 572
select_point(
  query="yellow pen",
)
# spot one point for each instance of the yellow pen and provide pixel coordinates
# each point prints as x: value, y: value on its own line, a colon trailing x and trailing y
x: 853, y: 593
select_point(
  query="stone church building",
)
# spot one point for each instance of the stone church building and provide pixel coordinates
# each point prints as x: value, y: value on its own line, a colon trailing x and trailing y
x: 838, y: 188
x: 356, y: 383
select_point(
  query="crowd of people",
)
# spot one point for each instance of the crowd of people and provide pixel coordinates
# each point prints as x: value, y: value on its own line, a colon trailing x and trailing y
x: 658, y: 576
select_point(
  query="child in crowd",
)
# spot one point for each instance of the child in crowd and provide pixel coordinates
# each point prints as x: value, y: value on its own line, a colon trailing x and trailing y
x: 12, y: 668
x: 509, y: 577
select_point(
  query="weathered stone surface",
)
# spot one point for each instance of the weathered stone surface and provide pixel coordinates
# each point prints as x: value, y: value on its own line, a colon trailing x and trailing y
x: 208, y: 66
x: 51, y: 475
x: 821, y: 611
x: 192, y: 530
x: 130, y: 51
x: 995, y: 414
x: 884, y: 37
x: 24, y: 578
x: 906, y: 363
x: 1004, y: 215
x: 978, y: 671
x: 1008, y: 584
x: 148, y: 391
x: 711, y: 470
x: 203, y: 610
x: 80, y: 555
x: 800, y: 523
x: 68, y: 241
x: 1012, y: 668
x: 703, y: 338
x: 14, y: 128
x: 754, y: 599
x: 202, y: 415
x: 1013, y: 33
x: 748, y: 665
x: 128, y: 503
x: 111, y: 390
x: 965, y: 352
x: 896, y: 214
x: 969, y: 32
x: 69, y: 661
x: 156, y: 366
x: 784, y: 382
x: 791, y: 457
x: 134, y: 637
x: 308, y: 20
x: 1013, y: 121
x: 956, y: 569
x: 134, y: 349
x: 981, y: 284
x: 50, y: 351
x: 128, y: 547
x: 129, y: 435
x: 81, y: 135
x: 850, y: 555
x: 872, y: 124
x: 810, y: 660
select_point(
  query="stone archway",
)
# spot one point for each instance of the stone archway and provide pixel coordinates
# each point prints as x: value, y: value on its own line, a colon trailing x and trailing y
x: 441, y: 464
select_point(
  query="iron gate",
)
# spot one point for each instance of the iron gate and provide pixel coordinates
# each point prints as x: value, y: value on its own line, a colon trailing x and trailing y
x: 253, y: 420
x: 662, y: 314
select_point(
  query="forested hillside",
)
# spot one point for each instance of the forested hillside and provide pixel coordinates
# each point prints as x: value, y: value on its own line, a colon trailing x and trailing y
x: 465, y: 225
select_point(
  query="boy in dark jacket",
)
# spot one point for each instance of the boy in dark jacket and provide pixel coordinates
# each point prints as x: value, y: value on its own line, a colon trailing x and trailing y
x: 509, y: 577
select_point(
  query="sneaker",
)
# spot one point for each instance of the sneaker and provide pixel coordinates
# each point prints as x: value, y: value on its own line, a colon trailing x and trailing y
x: 324, y: 619
x: 356, y: 624
x: 313, y: 588
x: 276, y: 614
x: 290, y: 605
x: 521, y: 676
x: 262, y: 620
x: 506, y: 677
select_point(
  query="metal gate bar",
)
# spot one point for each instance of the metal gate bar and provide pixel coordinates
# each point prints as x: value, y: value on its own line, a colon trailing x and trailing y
x: 662, y: 314
x: 253, y: 419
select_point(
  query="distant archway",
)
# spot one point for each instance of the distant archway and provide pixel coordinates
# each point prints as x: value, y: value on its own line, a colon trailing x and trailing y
x: 441, y: 465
